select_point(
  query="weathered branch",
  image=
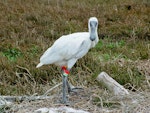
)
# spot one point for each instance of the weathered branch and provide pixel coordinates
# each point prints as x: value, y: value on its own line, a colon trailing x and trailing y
x: 4, y: 103
x: 111, y: 84
x: 22, y: 98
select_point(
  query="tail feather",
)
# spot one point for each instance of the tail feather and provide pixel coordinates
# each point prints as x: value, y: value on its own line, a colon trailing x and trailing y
x: 39, y: 65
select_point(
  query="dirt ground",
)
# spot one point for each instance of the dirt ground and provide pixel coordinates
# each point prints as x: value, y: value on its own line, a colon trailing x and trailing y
x: 93, y: 100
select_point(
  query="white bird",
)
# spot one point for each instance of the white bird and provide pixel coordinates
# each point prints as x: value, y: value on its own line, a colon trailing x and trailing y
x: 68, y: 49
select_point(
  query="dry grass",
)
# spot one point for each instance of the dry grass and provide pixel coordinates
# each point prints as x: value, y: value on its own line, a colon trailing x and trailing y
x: 28, y: 28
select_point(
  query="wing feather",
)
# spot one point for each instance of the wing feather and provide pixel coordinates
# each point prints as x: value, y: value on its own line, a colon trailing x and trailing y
x: 67, y: 47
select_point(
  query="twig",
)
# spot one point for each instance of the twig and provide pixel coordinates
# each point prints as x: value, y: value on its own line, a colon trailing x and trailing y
x: 46, y: 93
x: 87, y: 68
x: 24, y: 69
x: 101, y: 101
x: 147, y: 80
x: 28, y: 73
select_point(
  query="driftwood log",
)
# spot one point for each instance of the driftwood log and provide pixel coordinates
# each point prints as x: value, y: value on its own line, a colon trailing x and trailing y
x: 111, y: 84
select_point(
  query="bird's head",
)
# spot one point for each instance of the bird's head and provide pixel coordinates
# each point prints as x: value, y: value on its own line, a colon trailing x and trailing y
x: 93, y: 24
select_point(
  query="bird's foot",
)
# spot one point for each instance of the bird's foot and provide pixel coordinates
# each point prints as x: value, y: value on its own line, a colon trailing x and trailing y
x: 74, y: 89
x: 65, y: 102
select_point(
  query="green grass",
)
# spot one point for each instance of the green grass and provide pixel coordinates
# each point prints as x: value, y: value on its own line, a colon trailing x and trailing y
x: 12, y: 54
x: 28, y: 28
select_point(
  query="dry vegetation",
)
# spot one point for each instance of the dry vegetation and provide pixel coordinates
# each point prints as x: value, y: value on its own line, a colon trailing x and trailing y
x: 29, y: 27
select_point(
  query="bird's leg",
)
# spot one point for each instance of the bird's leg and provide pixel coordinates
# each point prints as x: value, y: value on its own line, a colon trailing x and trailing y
x: 65, y: 75
x: 64, y: 100
x: 66, y: 84
x: 70, y: 87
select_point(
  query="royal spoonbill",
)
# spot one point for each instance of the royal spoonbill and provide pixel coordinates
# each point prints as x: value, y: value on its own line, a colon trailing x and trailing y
x: 68, y: 49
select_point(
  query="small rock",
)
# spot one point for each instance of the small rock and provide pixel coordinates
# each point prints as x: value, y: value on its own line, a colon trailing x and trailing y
x: 42, y: 110
x: 62, y: 109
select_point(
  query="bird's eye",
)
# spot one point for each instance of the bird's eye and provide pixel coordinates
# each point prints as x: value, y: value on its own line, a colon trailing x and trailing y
x: 90, y: 23
x: 95, y: 23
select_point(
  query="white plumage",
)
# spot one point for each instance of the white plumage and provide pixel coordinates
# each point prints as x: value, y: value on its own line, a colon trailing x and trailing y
x: 69, y: 48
